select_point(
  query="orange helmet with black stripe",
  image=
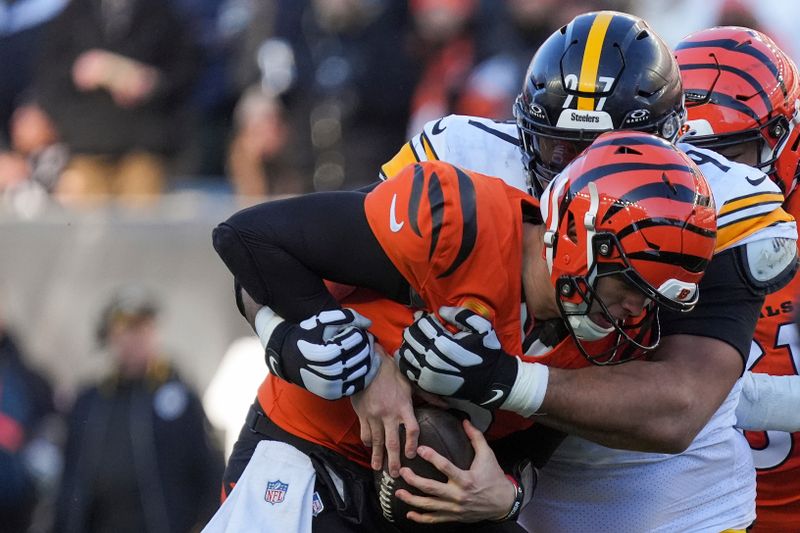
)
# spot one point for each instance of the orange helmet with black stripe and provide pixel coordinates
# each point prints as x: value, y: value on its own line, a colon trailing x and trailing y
x: 741, y: 87
x: 633, y: 206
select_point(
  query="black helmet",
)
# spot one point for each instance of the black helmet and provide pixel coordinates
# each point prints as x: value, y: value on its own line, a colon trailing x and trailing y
x: 602, y: 71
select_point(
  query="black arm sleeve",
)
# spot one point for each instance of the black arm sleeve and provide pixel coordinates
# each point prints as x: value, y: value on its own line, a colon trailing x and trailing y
x: 728, y: 308
x: 281, y: 251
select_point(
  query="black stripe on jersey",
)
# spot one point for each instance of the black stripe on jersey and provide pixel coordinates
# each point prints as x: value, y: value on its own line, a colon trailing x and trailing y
x: 469, y: 216
x: 606, y: 170
x: 677, y: 193
x: 436, y: 200
x: 739, y: 72
x: 730, y: 44
x: 659, y: 221
x: 505, y: 136
x: 759, y: 214
x: 416, y: 196
x: 692, y: 263
x: 745, y: 196
x: 701, y: 159
x: 425, y: 140
x: 413, y: 150
x: 749, y: 206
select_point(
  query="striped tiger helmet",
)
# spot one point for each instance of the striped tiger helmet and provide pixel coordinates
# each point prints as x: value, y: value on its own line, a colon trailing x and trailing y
x: 633, y: 206
x: 740, y: 87
x: 602, y: 71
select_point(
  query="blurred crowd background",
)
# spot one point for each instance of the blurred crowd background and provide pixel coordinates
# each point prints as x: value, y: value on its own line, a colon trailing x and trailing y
x: 129, y: 128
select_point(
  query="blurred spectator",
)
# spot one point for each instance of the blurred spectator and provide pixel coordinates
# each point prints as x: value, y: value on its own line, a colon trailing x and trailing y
x: 26, y: 403
x: 513, y: 37
x: 21, y: 28
x: 737, y: 13
x: 31, y: 167
x: 213, y: 95
x: 674, y: 20
x: 115, y: 77
x: 446, y: 46
x: 138, y: 455
x: 258, y: 161
x: 249, y: 24
x: 344, y: 71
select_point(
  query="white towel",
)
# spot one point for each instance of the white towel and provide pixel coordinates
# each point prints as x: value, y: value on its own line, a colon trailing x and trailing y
x: 274, y: 494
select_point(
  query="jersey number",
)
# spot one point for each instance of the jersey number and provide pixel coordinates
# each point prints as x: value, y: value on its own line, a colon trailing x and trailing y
x: 571, y: 82
x: 774, y: 447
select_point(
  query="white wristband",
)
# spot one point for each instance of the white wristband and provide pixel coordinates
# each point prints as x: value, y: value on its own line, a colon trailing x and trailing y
x: 527, y: 394
x: 769, y: 403
x: 265, y: 323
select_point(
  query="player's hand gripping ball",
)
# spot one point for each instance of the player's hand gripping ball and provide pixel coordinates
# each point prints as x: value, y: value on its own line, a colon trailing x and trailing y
x: 442, y: 431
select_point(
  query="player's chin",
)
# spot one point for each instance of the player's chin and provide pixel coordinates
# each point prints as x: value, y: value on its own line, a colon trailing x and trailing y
x: 601, y: 320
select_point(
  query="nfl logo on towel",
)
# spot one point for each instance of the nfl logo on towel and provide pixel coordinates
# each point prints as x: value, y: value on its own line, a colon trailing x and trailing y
x: 276, y: 491
x: 316, y: 504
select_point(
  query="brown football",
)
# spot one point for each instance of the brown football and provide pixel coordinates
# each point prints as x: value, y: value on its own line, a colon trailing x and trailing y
x: 442, y: 431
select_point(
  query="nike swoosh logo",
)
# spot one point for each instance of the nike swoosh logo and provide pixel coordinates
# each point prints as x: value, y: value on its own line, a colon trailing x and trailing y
x: 437, y: 129
x: 274, y: 364
x: 394, y: 225
x: 755, y: 182
x: 497, y: 393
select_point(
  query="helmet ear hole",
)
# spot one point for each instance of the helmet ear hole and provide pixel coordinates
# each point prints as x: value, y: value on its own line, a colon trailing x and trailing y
x: 572, y: 231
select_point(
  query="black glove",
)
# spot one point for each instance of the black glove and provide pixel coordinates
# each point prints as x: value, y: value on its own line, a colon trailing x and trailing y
x: 469, y: 364
x: 329, y: 354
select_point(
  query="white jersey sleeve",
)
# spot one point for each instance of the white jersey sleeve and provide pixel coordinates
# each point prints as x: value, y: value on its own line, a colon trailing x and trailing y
x: 749, y: 204
x: 477, y: 144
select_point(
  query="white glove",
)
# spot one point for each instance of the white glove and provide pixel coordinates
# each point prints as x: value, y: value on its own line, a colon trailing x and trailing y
x: 470, y: 364
x: 329, y: 354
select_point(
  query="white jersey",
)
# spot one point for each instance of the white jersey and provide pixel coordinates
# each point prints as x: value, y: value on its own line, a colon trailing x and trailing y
x: 587, y: 487
x: 748, y: 203
x: 478, y: 144
x: 711, y: 487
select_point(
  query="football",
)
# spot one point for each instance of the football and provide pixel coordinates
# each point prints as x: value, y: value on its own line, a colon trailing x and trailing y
x: 442, y: 431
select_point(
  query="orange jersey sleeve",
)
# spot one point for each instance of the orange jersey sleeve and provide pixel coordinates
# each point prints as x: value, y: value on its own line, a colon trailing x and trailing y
x: 456, y: 236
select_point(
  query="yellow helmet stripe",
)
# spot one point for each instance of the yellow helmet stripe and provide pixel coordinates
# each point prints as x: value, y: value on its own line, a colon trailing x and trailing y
x: 591, y: 58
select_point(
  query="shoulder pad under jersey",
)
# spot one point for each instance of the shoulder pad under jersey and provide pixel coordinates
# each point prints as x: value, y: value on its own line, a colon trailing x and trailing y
x: 749, y: 204
x: 473, y: 143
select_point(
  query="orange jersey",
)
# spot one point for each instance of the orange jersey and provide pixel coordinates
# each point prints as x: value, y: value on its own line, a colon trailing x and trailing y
x: 776, y: 454
x: 456, y: 237
x: 334, y: 424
